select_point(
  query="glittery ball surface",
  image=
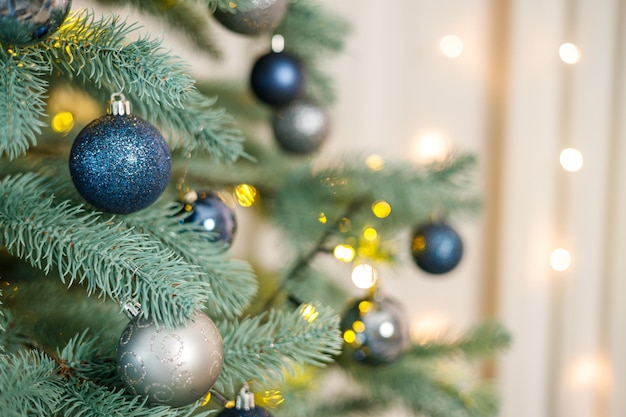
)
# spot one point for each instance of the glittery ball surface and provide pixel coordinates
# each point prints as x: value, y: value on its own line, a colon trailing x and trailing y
x: 120, y: 164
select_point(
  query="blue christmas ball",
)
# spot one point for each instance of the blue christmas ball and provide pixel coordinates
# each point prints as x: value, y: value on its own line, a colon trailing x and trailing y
x: 256, y: 411
x: 209, y: 211
x: 277, y: 78
x: 120, y: 164
x: 26, y: 22
x: 436, y: 247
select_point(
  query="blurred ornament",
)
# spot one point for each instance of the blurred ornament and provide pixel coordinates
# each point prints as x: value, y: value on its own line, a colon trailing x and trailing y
x: 172, y: 367
x: 209, y: 211
x: 300, y: 127
x: 26, y: 22
x: 119, y: 162
x: 436, y: 247
x: 277, y: 78
x: 245, y: 407
x: 375, y: 330
x: 259, y: 16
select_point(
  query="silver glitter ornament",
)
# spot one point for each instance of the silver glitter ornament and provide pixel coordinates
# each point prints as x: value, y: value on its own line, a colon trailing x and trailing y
x: 260, y: 16
x: 172, y: 367
x: 300, y: 127
x: 375, y: 330
x: 25, y: 22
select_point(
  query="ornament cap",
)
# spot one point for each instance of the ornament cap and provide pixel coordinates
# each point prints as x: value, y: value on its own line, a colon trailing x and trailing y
x: 118, y: 105
x: 132, y: 309
x: 245, y: 399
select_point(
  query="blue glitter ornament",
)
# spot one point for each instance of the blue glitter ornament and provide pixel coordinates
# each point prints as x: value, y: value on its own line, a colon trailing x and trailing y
x: 277, y: 78
x: 209, y: 211
x: 120, y: 163
x: 26, y: 22
x: 375, y: 330
x: 436, y: 247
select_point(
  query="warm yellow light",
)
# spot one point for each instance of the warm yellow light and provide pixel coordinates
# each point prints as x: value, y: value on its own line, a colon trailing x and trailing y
x: 206, y: 399
x: 370, y: 234
x: 358, y: 326
x: 571, y: 159
x: 560, y: 259
x: 62, y: 122
x: 270, y: 398
x: 569, y: 53
x: 365, y: 306
x: 375, y: 162
x: 309, y: 312
x: 590, y: 371
x: 381, y: 209
x: 344, y: 225
x: 344, y: 253
x: 430, y: 147
x: 246, y: 194
x: 364, y: 276
x: 451, y: 46
x: 278, y: 43
x: 349, y: 336
x: 322, y: 217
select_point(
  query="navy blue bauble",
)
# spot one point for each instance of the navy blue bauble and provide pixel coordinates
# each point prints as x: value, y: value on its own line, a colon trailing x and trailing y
x: 213, y: 215
x: 252, y: 412
x: 436, y: 248
x: 277, y: 78
x: 26, y: 22
x: 120, y: 164
x: 375, y: 330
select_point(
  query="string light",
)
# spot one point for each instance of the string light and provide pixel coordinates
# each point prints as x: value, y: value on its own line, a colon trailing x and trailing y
x: 370, y: 234
x: 246, y: 194
x: 364, y: 276
x: 451, y: 46
x: 344, y: 253
x: 560, y: 259
x: 571, y: 159
x: 375, y: 163
x: 381, y: 209
x: 322, y: 217
x: 309, y: 312
x: 62, y: 122
x: 569, y: 53
x: 430, y: 147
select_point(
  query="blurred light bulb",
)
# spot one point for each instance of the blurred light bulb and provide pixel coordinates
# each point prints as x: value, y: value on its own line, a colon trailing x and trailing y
x: 569, y: 53
x: 381, y: 209
x: 428, y: 327
x: 344, y: 253
x: 430, y: 147
x: 560, y: 259
x: 451, y: 46
x: 278, y: 43
x: 375, y: 162
x: 571, y: 159
x: 62, y: 122
x: 246, y: 194
x: 364, y: 276
x: 370, y: 234
x: 322, y: 217
x: 590, y: 371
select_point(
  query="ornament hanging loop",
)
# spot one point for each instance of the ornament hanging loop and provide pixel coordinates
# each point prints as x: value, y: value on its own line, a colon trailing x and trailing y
x: 118, y: 105
x: 132, y: 309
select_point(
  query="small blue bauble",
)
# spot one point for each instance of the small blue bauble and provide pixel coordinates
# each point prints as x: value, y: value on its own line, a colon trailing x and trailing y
x: 436, y: 248
x: 277, y: 78
x: 26, y: 22
x: 256, y: 411
x: 213, y: 215
x: 120, y: 164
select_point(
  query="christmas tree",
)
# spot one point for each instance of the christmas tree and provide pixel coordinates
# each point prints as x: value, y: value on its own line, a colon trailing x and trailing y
x: 120, y: 294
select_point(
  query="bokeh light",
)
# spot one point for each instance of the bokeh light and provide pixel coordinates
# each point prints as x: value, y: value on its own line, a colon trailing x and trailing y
x: 364, y: 276
x: 571, y: 159
x: 451, y: 46
x: 560, y: 259
x: 569, y: 53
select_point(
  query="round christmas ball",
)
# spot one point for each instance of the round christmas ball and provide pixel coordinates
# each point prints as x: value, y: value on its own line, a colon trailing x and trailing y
x: 277, y: 78
x: 375, y: 330
x: 300, y: 127
x: 436, y: 247
x: 212, y: 214
x: 173, y: 367
x: 257, y: 411
x: 26, y: 22
x: 120, y: 163
x: 260, y: 16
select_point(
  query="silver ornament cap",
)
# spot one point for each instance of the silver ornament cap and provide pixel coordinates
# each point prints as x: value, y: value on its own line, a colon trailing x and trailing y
x: 172, y: 367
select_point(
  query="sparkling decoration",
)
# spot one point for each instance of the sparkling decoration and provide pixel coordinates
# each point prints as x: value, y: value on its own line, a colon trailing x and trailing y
x: 245, y: 406
x: 277, y: 78
x: 300, y: 127
x: 259, y: 16
x: 26, y: 22
x: 120, y: 163
x: 210, y: 212
x: 172, y: 367
x: 375, y: 330
x: 436, y: 247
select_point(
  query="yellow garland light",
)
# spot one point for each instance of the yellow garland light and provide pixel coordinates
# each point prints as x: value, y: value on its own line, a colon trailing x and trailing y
x: 344, y: 253
x: 381, y: 209
x: 246, y: 194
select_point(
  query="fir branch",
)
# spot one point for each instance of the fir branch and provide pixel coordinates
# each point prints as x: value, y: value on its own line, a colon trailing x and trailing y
x: 98, y: 54
x: 29, y: 385
x: 233, y: 282
x: 485, y: 339
x: 189, y: 17
x: 22, y: 100
x: 96, y: 251
x: 278, y: 343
